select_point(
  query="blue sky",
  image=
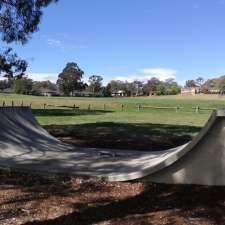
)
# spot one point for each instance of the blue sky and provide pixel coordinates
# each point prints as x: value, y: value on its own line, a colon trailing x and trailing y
x: 130, y: 39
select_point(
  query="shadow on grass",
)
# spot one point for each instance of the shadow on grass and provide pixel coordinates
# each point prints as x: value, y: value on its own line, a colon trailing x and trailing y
x: 137, y: 136
x: 67, y: 112
x: 155, y: 204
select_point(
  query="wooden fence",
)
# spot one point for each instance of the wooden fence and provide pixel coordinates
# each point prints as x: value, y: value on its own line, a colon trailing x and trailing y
x: 122, y: 107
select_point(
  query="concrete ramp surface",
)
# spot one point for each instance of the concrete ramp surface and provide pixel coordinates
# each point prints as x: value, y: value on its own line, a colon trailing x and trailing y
x: 24, y: 144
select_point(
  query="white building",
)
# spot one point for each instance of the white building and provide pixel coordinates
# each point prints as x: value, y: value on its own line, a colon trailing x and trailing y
x: 118, y: 93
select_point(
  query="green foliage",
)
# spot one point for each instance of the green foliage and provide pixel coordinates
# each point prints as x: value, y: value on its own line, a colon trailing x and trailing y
x: 152, y: 87
x: 69, y: 80
x: 199, y: 81
x: 46, y: 85
x: 22, y: 86
x: 95, y: 83
x: 4, y: 84
x: 190, y: 83
x: 18, y: 20
x: 106, y: 91
x: 156, y: 87
x: 11, y: 65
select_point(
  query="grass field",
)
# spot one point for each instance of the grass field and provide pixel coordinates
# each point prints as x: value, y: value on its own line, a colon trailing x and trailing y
x: 54, y: 114
x: 107, y: 121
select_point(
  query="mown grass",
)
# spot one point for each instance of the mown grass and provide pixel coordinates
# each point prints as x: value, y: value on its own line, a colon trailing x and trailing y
x: 104, y: 123
x: 56, y: 114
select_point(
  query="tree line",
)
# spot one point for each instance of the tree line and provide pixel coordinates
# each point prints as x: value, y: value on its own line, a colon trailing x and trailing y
x: 70, y: 83
x: 209, y: 86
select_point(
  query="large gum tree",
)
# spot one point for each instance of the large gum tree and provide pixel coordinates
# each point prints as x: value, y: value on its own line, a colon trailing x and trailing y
x: 19, y: 19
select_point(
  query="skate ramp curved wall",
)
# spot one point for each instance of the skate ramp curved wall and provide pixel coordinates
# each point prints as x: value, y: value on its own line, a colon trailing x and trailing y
x: 24, y: 144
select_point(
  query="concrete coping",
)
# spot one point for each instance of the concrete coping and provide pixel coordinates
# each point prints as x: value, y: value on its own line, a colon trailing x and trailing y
x: 220, y: 112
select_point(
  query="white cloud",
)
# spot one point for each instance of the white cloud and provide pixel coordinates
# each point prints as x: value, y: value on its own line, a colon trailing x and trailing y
x: 64, y: 44
x: 43, y: 76
x: 160, y: 73
x: 54, y: 42
x: 147, y: 73
x: 128, y: 78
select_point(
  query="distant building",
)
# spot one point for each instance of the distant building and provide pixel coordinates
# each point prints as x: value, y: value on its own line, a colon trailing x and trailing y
x: 214, y: 91
x: 118, y: 93
x: 190, y: 91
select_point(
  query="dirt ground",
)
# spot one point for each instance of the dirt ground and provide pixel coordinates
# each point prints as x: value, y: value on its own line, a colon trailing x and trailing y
x: 31, y: 199
x: 124, y: 136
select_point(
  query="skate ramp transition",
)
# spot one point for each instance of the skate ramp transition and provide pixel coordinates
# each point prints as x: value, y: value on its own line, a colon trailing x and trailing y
x: 25, y: 145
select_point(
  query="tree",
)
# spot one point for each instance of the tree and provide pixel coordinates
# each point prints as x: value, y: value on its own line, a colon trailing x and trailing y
x: 95, y: 83
x: 69, y: 80
x: 138, y: 86
x: 199, y: 81
x: 190, y: 83
x: 22, y: 85
x: 4, y: 84
x: 107, y: 90
x: 39, y: 85
x: 18, y: 20
x: 161, y: 89
x: 150, y: 87
x: 11, y: 65
x: 116, y: 85
x: 220, y: 83
x: 171, y: 86
x: 45, y: 85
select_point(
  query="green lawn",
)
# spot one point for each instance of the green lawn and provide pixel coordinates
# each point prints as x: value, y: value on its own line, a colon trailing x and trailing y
x: 55, y: 114
x: 105, y: 124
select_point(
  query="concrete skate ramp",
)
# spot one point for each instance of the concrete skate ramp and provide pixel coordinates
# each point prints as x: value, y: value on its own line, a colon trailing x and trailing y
x: 25, y: 145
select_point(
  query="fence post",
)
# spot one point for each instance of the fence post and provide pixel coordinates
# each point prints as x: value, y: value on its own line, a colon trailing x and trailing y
x: 197, y: 109
x: 122, y: 106
x: 12, y: 104
x: 44, y: 105
x: 74, y: 106
x: 139, y: 107
x: 89, y: 107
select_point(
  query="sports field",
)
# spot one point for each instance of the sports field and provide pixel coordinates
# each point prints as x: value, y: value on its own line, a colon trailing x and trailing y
x: 120, y: 122
x: 110, y: 109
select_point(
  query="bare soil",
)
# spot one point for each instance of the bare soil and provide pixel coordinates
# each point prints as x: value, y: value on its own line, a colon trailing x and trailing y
x: 31, y: 199
x: 136, y: 136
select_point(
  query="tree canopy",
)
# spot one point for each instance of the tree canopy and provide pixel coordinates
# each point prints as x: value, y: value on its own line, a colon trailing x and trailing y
x: 95, y: 83
x: 18, y: 20
x: 69, y: 80
x: 11, y: 65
